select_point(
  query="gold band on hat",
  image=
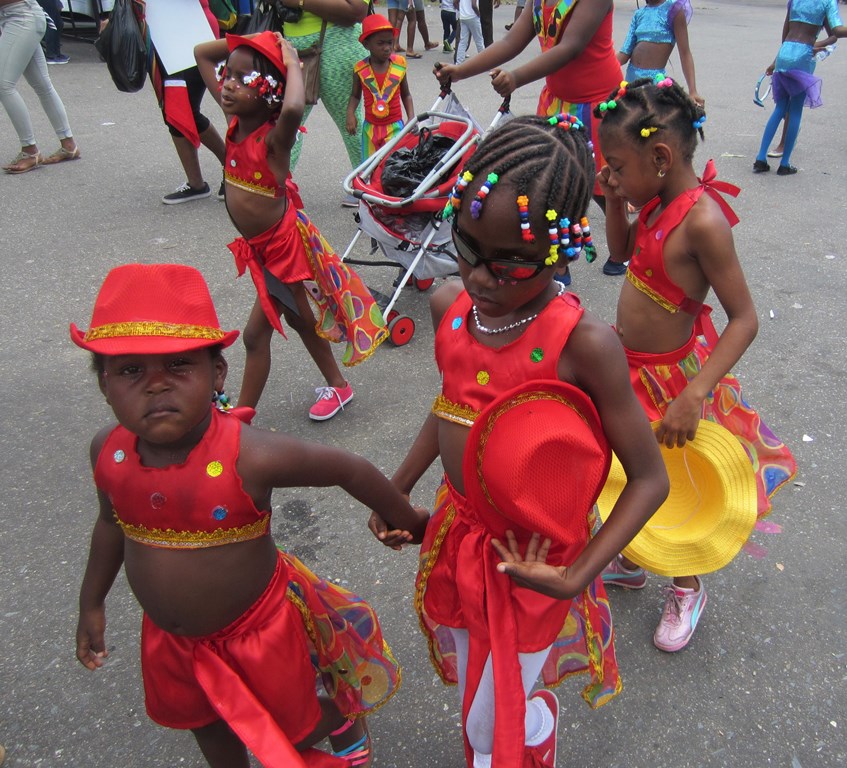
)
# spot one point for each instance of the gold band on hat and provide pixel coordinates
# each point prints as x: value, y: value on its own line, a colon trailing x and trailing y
x: 149, y: 328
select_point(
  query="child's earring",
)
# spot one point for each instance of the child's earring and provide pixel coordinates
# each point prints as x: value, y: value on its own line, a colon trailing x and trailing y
x: 661, y: 173
x: 501, y: 281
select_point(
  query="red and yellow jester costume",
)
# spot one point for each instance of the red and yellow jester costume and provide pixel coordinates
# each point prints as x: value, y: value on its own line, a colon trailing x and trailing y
x: 383, y: 109
x: 456, y: 571
x: 659, y: 378
x: 258, y: 674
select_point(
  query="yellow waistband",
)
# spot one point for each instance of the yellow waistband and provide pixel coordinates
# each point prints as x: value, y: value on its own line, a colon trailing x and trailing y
x: 171, y: 539
x: 650, y: 292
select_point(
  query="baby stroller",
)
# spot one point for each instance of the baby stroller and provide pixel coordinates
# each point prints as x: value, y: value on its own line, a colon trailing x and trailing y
x: 402, y: 189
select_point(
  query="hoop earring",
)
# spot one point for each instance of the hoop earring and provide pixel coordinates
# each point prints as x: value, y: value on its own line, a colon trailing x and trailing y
x: 661, y: 174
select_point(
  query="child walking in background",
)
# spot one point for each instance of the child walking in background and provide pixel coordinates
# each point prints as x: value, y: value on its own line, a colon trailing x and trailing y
x: 681, y: 246
x: 381, y: 78
x: 235, y: 632
x: 517, y: 212
x: 470, y: 26
x: 261, y: 91
x: 448, y: 24
x: 653, y: 32
x: 794, y: 81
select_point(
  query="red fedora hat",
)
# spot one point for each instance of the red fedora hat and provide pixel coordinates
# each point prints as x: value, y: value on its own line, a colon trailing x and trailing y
x: 265, y: 43
x: 376, y: 22
x: 152, y: 309
x: 536, y: 460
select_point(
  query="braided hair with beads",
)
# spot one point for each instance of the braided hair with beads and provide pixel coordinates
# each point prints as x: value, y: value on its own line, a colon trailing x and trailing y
x: 650, y: 108
x: 548, y: 164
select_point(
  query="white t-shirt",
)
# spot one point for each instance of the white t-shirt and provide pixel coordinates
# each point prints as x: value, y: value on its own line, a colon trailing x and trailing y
x: 466, y: 10
x: 447, y: 5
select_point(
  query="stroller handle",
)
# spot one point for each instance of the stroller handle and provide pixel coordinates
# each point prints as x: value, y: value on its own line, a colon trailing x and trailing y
x: 446, y: 86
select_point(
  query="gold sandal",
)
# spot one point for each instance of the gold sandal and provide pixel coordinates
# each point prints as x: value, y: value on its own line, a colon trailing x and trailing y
x: 60, y: 155
x: 24, y: 163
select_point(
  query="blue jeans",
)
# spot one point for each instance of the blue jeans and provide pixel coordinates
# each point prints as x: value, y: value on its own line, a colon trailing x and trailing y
x: 53, y: 37
x: 22, y: 26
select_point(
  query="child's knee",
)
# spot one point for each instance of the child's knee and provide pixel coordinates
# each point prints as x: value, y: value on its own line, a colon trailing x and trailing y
x: 257, y: 337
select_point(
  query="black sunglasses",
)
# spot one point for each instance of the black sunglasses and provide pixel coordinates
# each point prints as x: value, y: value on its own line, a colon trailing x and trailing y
x: 502, y: 269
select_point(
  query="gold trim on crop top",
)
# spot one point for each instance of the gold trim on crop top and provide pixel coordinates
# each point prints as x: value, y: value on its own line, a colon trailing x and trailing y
x: 171, y: 539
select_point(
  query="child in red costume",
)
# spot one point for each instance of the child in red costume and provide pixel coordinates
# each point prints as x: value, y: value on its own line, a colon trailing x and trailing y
x: 681, y: 246
x: 577, y: 61
x: 381, y: 79
x: 518, y: 209
x: 230, y: 622
x: 289, y: 261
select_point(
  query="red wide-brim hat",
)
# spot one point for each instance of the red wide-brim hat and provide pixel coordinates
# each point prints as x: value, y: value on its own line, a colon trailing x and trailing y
x: 152, y: 309
x: 376, y: 22
x: 265, y: 43
x: 536, y: 460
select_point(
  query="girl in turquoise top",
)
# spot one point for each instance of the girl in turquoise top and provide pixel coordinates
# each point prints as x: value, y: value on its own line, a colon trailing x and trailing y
x: 653, y: 32
x: 794, y: 81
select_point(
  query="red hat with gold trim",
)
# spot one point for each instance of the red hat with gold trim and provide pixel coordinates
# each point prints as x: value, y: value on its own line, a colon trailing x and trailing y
x: 265, y: 43
x: 151, y: 309
x: 376, y: 22
x: 536, y: 459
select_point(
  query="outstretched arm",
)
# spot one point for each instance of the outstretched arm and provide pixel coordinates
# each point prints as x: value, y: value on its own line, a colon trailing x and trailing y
x: 105, y: 558
x: 586, y: 18
x: 714, y: 250
x: 686, y: 58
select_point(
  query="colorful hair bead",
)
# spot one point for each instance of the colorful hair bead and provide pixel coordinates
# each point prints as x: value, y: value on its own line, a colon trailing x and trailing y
x: 476, y: 205
x: 565, y: 239
x: 665, y: 82
x: 566, y: 122
x: 646, y: 132
x: 455, y: 200
x: 587, y: 242
x: 553, y: 234
x: 699, y: 122
x: 523, y: 212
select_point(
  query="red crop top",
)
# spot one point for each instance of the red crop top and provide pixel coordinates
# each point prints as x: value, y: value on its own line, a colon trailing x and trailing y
x: 647, y: 266
x: 200, y: 503
x: 247, y: 162
x: 474, y: 374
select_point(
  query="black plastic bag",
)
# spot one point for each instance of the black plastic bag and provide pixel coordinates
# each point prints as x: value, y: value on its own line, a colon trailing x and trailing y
x: 407, y: 167
x: 123, y: 48
x: 268, y: 16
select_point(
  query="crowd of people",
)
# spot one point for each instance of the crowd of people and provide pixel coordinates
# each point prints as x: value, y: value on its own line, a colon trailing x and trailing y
x: 512, y: 576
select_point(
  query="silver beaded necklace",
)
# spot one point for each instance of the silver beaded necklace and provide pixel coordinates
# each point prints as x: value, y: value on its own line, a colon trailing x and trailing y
x: 511, y: 326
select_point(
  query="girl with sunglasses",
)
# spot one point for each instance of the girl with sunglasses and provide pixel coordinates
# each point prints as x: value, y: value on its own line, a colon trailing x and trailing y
x: 518, y: 213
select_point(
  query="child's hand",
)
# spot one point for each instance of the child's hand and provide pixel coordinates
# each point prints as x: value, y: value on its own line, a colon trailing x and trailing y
x: 90, y: 638
x: 603, y: 181
x: 290, y: 57
x: 393, y: 538
x: 351, y: 124
x: 503, y: 81
x: 531, y: 570
x: 698, y: 99
x: 680, y: 421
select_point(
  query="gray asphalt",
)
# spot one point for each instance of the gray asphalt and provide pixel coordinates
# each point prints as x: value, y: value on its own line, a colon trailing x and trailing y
x: 763, y: 681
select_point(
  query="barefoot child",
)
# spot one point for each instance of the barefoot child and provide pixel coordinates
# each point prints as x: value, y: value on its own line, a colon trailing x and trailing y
x: 516, y: 214
x: 381, y: 78
x: 681, y: 246
x: 261, y: 91
x: 654, y: 31
x: 231, y: 625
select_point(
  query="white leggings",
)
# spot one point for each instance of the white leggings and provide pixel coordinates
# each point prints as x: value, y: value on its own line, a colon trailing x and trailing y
x: 22, y: 26
x: 480, y: 723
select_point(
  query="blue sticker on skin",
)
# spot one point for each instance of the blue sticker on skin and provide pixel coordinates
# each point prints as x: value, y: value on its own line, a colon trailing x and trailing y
x: 457, y: 323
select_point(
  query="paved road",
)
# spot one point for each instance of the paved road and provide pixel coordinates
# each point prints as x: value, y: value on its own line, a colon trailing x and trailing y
x: 763, y: 682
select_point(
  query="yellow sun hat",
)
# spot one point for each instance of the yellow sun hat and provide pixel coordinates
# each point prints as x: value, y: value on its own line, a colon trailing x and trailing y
x: 709, y: 513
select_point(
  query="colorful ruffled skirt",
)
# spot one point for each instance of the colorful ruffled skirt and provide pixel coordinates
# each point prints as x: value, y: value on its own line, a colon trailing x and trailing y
x: 794, y: 74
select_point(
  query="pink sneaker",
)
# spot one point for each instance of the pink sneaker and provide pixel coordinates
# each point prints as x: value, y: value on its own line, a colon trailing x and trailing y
x: 615, y: 574
x: 330, y: 401
x: 547, y: 748
x: 683, y: 609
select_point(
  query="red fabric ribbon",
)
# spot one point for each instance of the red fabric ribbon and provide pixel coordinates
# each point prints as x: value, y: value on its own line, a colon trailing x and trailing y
x: 713, y: 188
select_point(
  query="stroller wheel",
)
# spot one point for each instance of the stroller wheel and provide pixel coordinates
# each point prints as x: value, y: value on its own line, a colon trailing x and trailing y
x: 389, y: 318
x: 401, y: 329
x: 424, y: 285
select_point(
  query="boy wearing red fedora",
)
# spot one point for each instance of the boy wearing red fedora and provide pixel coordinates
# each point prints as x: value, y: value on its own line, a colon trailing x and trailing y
x: 185, y: 505
x: 381, y: 78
